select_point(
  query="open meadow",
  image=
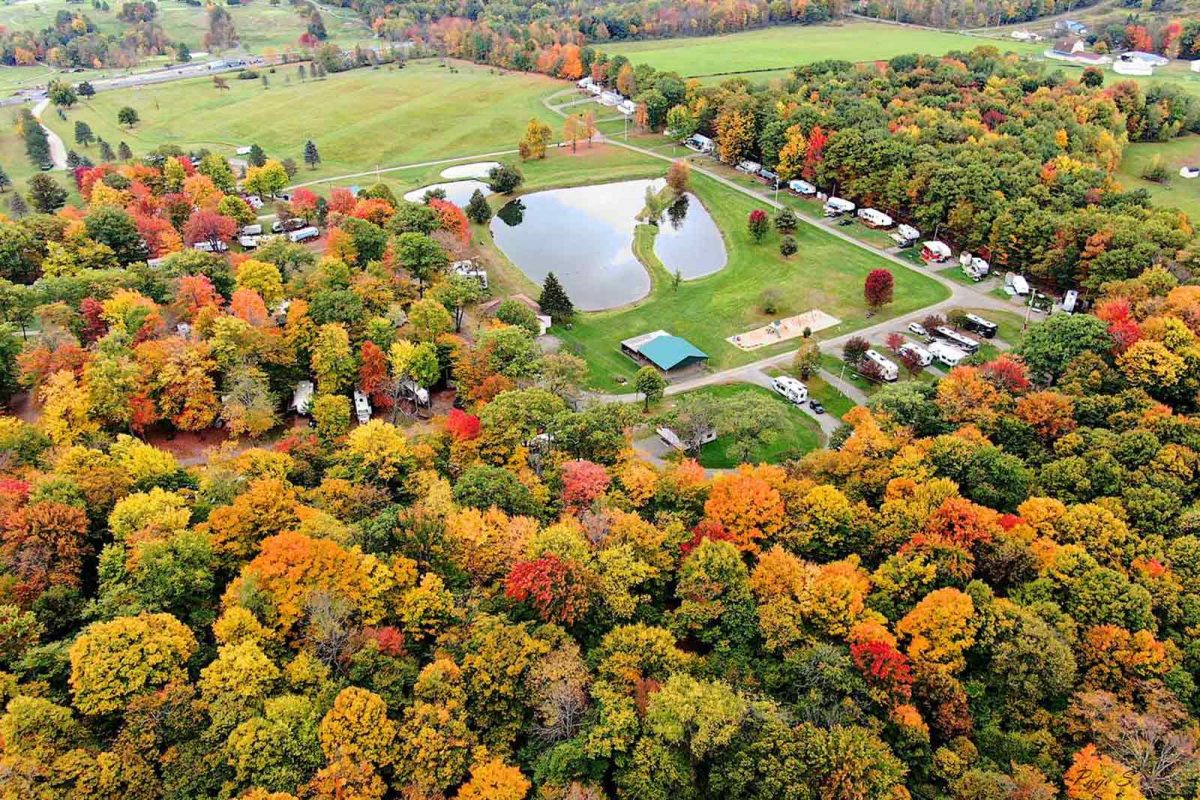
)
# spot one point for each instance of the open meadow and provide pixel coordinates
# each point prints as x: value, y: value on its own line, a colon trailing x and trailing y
x: 781, y: 48
x: 359, y: 119
x: 260, y: 25
x: 1179, y: 192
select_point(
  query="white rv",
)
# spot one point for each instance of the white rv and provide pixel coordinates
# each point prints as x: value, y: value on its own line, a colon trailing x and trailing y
x: 946, y: 354
x: 699, y: 143
x: 248, y: 242
x: 748, y: 167
x: 957, y: 339
x: 802, y: 187
x: 362, y: 407
x: 304, y: 234
x: 887, y: 368
x: 836, y: 206
x: 302, y: 397
x: 791, y: 388
x: 1016, y: 283
x: 469, y: 269
x: 924, y: 357
x: 905, y: 235
x: 252, y: 230
x: 875, y: 218
x: 207, y: 247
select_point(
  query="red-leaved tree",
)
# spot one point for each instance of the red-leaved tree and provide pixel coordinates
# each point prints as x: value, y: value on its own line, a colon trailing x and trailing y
x: 878, y: 288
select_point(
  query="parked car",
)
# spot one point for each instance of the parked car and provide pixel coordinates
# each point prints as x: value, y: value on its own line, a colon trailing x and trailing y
x: 917, y: 329
x: 816, y: 407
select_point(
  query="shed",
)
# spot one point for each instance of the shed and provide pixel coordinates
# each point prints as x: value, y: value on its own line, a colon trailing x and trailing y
x: 664, y: 351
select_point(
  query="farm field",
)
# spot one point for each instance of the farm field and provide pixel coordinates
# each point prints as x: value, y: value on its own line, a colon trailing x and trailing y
x: 260, y: 25
x: 781, y: 48
x: 367, y: 118
x: 1179, y: 192
x: 826, y: 273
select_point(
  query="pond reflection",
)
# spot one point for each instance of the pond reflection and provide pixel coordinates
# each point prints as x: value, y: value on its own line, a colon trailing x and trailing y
x: 585, y: 236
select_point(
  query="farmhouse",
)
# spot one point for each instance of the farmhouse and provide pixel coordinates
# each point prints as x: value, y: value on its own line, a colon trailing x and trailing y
x: 663, y: 350
x: 1075, y: 50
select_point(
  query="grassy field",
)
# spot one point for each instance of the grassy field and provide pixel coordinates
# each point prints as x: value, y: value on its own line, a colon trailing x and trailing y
x: 827, y: 273
x: 1179, y: 192
x: 799, y: 436
x: 260, y: 25
x: 359, y: 119
x: 781, y: 48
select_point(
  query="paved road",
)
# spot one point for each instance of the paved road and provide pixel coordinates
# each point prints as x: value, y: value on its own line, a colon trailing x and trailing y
x: 58, y: 150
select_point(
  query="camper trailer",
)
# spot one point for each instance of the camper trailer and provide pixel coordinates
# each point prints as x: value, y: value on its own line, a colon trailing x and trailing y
x: 935, y: 252
x: 946, y: 354
x: 469, y: 269
x: 957, y: 339
x: 924, y: 357
x: 802, y: 187
x: 887, y: 368
x: 1070, y: 299
x: 304, y: 234
x: 1017, y: 284
x: 836, y: 206
x: 208, y: 247
x: 248, y: 242
x: 252, y: 230
x: 974, y: 267
x: 792, y: 389
x: 874, y: 218
x: 748, y: 167
x: 302, y: 397
x: 699, y: 143
x: 362, y: 407
x: 905, y: 235
x: 978, y: 324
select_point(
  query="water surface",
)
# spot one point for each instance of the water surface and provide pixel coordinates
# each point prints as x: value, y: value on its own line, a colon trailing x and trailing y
x: 584, y: 235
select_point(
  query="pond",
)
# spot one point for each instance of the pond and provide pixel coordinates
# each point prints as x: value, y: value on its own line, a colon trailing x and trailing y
x: 584, y: 235
x: 457, y: 192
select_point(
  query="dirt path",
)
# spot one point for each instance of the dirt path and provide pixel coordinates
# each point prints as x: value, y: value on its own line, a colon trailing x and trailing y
x: 58, y: 150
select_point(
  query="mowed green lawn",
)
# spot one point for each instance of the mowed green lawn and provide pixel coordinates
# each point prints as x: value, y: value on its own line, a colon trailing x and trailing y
x: 359, y: 119
x: 783, y: 47
x: 799, y: 435
x: 1181, y: 193
x: 826, y: 273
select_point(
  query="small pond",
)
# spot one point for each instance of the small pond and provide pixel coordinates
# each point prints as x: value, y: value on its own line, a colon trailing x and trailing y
x: 457, y: 192
x: 478, y: 169
x: 584, y: 235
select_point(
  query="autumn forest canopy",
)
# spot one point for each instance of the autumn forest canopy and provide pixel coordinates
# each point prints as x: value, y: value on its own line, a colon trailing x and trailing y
x: 222, y: 577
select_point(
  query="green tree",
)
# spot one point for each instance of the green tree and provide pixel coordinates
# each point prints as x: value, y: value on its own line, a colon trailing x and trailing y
x: 651, y: 384
x: 257, y: 157
x: 127, y: 116
x: 1049, y: 347
x: 505, y: 179
x: 312, y: 156
x: 554, y: 300
x: 83, y: 133
x: 456, y: 293
x: 478, y: 210
x: 115, y: 228
x: 421, y: 256
x: 46, y: 194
